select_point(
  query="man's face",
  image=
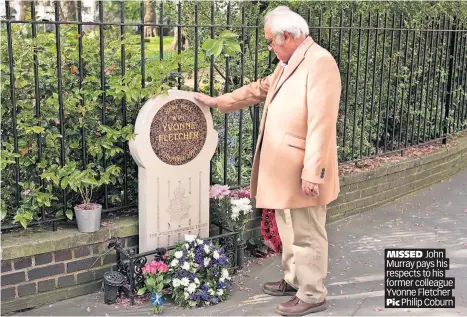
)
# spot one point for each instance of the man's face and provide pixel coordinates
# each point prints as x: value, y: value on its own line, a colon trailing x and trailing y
x: 282, y: 50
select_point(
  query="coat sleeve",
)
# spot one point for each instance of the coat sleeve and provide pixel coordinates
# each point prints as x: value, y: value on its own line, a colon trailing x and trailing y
x: 323, y: 95
x: 245, y: 96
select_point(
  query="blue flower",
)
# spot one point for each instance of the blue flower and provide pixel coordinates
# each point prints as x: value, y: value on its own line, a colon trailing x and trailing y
x: 221, y: 250
x: 191, y: 276
x: 222, y: 260
x: 215, y: 300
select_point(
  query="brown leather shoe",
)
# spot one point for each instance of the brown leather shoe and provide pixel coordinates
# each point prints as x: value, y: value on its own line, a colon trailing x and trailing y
x: 296, y: 307
x: 280, y: 288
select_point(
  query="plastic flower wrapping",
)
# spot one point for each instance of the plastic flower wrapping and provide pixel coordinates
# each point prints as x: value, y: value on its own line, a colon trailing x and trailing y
x: 199, y: 273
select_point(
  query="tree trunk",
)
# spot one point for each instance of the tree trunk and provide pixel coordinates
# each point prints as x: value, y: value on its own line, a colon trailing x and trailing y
x: 68, y: 10
x: 149, y: 17
x: 23, y: 9
x: 183, y: 41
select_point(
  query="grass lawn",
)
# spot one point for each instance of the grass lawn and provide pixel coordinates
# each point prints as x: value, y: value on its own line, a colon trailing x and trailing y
x: 153, y: 45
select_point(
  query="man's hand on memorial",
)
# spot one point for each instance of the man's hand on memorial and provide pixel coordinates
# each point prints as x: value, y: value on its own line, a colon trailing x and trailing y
x: 310, y: 189
x: 207, y: 100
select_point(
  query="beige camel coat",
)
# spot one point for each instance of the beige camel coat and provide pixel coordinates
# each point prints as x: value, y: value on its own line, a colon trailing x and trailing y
x: 297, y: 137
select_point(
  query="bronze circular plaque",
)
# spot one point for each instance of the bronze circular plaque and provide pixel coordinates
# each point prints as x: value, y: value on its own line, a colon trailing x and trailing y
x: 178, y: 132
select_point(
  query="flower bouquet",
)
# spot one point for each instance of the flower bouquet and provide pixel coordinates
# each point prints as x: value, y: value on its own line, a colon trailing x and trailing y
x: 231, y: 209
x: 156, y: 278
x: 199, y: 274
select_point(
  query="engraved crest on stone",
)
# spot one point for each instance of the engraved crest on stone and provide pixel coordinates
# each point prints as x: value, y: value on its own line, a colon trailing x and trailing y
x: 179, y: 205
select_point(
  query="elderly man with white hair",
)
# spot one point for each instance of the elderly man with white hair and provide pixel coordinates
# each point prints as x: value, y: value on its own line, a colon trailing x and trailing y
x: 295, y: 168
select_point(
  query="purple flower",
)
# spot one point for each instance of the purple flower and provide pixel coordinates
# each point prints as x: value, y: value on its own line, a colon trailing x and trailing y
x: 222, y: 260
x: 221, y: 132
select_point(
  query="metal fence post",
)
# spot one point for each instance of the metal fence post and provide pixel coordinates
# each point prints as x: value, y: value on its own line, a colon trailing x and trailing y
x: 449, y: 88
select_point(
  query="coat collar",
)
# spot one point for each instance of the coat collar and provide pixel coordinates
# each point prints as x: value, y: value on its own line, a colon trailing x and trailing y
x: 296, y: 59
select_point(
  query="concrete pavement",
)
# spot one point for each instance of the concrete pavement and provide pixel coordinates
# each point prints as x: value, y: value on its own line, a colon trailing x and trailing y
x: 435, y: 217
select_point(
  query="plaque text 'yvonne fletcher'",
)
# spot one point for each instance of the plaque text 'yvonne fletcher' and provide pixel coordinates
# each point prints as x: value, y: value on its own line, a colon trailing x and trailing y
x: 178, y: 132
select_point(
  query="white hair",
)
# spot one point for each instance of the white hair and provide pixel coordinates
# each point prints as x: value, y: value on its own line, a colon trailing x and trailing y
x: 282, y: 19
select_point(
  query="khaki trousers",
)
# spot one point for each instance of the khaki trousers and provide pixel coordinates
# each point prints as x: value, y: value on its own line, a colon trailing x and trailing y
x: 304, y: 250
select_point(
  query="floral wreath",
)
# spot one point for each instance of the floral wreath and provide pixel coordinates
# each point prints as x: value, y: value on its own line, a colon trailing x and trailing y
x: 270, y: 231
x: 199, y: 274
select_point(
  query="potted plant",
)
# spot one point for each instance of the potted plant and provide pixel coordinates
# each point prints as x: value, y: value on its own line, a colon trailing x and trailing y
x: 88, y: 213
x: 85, y: 181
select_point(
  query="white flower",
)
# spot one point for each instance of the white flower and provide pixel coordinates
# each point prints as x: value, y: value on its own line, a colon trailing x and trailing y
x: 192, y: 303
x: 211, y: 292
x: 176, y: 282
x: 199, y: 241
x: 191, y: 288
x: 186, y: 295
x: 189, y: 238
x: 215, y: 254
x: 174, y: 262
x: 185, y: 281
x: 197, y: 281
x: 225, y: 273
x: 222, y: 279
x: 187, y: 246
x: 206, y: 249
x: 235, y: 213
x: 238, y: 205
x: 186, y: 266
x: 178, y: 254
x: 206, y: 261
x: 220, y: 292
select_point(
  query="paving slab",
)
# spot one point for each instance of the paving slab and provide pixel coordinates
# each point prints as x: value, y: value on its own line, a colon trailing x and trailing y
x: 435, y: 217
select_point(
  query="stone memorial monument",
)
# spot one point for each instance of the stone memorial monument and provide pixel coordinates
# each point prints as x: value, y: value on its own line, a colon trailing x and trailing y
x: 175, y: 141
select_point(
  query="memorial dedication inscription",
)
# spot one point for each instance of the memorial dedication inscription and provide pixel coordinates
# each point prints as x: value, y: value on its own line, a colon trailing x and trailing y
x: 175, y: 141
x: 178, y: 132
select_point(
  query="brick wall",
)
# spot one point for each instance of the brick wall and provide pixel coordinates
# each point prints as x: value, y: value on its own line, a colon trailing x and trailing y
x: 40, y: 278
